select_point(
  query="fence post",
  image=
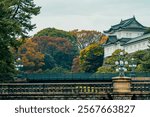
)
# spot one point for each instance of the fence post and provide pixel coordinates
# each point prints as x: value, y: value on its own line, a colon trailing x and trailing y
x: 121, y: 88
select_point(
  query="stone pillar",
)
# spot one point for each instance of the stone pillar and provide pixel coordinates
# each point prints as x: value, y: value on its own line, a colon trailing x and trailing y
x: 121, y: 88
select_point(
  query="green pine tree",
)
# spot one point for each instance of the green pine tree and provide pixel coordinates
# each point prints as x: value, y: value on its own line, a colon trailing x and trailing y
x: 15, y: 22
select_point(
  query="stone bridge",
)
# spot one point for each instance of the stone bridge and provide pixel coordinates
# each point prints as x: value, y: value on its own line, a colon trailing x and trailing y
x: 134, y: 89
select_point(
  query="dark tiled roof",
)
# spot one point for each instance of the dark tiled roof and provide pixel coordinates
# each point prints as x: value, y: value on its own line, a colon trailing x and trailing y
x: 113, y: 40
x: 124, y: 40
x: 124, y: 24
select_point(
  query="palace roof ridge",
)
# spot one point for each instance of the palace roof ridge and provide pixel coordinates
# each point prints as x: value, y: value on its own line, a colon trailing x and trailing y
x: 124, y: 25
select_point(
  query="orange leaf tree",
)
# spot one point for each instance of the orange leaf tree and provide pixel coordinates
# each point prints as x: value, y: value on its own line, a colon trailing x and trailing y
x: 91, y: 57
x: 32, y: 58
x: 86, y: 37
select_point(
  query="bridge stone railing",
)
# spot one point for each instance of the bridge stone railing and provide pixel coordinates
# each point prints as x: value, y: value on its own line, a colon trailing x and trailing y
x: 54, y: 89
x: 140, y: 88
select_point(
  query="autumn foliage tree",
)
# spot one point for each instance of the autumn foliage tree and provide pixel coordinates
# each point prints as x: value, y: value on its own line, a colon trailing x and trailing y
x: 58, y: 51
x: 76, y: 68
x: 91, y: 57
x: 56, y: 33
x: 31, y: 57
x: 103, y: 39
x: 86, y: 37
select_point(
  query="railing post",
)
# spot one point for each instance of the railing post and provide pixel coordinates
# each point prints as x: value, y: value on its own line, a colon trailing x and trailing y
x: 121, y: 88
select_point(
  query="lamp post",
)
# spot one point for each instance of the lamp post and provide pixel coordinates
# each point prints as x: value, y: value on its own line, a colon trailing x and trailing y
x: 132, y: 66
x: 18, y: 64
x: 121, y: 65
x: 121, y: 84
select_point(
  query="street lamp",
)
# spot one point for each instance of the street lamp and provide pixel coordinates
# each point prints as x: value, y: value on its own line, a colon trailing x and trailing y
x: 121, y: 65
x: 18, y: 64
x: 18, y: 67
x: 132, y: 66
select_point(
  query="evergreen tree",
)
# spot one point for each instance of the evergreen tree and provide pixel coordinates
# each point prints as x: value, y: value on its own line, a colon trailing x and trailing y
x: 15, y: 22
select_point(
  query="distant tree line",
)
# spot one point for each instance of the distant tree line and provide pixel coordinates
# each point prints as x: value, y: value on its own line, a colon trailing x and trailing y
x: 52, y: 50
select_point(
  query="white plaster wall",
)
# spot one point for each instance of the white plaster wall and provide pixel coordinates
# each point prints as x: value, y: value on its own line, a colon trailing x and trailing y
x: 133, y: 47
x: 127, y: 34
x: 108, y: 50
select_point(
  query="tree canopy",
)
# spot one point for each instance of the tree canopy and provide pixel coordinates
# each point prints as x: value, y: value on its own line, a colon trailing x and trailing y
x: 142, y: 60
x: 109, y: 62
x: 44, y: 53
x: 32, y: 58
x: 15, y: 22
x: 52, y: 32
x: 91, y: 57
x: 59, y: 51
x: 86, y: 37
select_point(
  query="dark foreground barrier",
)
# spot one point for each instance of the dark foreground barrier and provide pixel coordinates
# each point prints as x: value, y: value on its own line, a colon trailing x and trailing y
x: 103, y: 77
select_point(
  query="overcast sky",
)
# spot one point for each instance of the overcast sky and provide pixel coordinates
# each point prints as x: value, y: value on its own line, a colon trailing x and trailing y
x: 89, y: 14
